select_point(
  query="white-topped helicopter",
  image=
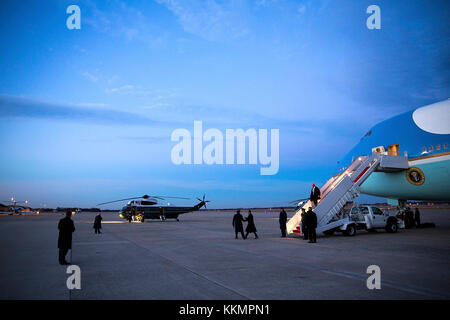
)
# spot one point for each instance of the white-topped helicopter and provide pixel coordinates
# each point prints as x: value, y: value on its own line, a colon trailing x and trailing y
x: 146, y: 207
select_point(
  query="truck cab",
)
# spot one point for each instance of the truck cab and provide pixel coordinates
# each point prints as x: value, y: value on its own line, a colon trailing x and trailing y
x: 371, y: 218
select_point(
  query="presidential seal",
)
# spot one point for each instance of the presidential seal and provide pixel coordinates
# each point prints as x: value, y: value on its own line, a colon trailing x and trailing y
x: 415, y: 176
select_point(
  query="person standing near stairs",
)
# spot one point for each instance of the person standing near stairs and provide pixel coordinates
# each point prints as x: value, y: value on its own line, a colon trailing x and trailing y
x: 311, y: 221
x: 315, y: 195
x: 282, y: 220
x: 304, y: 224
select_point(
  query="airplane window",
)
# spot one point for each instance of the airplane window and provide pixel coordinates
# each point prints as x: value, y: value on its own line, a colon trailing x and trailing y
x: 377, y: 211
x: 446, y: 145
x: 431, y: 148
x: 438, y: 147
x: 424, y: 149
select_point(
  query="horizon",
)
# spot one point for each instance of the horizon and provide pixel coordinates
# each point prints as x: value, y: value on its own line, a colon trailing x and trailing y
x: 86, y: 115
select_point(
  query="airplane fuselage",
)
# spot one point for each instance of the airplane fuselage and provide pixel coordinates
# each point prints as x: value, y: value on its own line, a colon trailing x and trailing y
x: 423, y: 135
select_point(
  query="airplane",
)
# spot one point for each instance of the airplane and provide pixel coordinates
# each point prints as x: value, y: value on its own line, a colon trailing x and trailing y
x: 15, y: 208
x: 140, y: 210
x: 423, y: 136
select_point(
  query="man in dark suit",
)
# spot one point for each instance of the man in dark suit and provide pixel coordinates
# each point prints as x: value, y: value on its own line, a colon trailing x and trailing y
x: 304, y: 224
x: 311, y: 219
x: 315, y: 194
x: 66, y: 228
x: 282, y: 220
x: 237, y: 224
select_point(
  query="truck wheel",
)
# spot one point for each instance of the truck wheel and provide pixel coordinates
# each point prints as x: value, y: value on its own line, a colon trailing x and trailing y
x: 392, y: 227
x: 350, y: 231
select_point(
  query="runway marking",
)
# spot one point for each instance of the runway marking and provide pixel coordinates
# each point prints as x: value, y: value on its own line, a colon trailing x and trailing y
x: 351, y: 275
x: 390, y: 284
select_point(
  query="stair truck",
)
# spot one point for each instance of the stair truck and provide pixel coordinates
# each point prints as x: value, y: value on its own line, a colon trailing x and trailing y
x: 341, y: 189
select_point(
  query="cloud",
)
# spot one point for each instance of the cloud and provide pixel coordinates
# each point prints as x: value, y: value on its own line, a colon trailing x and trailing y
x: 127, y: 89
x: 145, y: 140
x: 89, y: 76
x: 118, y: 19
x: 301, y: 9
x: 18, y: 107
x: 209, y: 19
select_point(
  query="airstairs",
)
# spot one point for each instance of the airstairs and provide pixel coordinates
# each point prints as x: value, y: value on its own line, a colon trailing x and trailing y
x: 343, y: 188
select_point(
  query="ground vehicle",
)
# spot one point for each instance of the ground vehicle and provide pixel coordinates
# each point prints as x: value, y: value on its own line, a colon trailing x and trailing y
x: 366, y: 217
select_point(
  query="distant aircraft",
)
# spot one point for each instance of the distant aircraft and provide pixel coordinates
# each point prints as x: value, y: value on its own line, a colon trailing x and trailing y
x: 139, y: 210
x: 423, y: 136
x: 15, y: 208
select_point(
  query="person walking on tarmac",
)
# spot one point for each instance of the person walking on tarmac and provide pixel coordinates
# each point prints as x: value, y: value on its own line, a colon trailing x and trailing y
x: 251, y: 228
x: 237, y: 224
x: 283, y: 219
x: 311, y: 221
x: 315, y: 195
x: 66, y: 227
x: 98, y: 223
x: 304, y: 224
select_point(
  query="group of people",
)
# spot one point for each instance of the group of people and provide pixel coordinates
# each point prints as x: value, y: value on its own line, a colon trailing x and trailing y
x: 238, y: 225
x: 411, y: 219
x: 308, y: 224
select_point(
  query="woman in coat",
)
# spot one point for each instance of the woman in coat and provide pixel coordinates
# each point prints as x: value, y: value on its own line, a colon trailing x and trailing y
x: 251, y: 228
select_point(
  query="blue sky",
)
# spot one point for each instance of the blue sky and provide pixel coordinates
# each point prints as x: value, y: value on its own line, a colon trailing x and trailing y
x: 86, y: 115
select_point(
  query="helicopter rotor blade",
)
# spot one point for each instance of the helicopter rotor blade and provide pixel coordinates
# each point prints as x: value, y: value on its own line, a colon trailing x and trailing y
x: 145, y: 197
x: 119, y: 200
x: 169, y: 197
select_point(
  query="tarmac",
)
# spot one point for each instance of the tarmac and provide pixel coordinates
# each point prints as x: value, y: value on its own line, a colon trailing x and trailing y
x: 198, y: 258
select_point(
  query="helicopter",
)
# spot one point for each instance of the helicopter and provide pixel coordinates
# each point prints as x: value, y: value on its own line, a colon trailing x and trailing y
x: 143, y: 207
